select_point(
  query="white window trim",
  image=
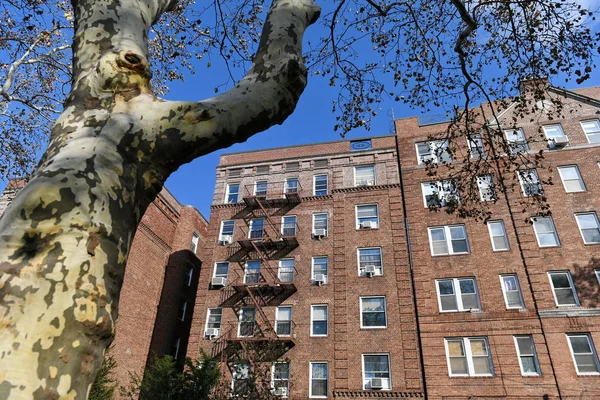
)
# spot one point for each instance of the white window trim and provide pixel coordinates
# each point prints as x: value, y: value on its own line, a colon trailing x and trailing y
x: 312, y: 306
x: 360, y: 302
x: 290, y: 320
x: 240, y: 321
x: 592, y: 347
x: 535, y: 356
x: 227, y: 187
x: 492, y: 237
x: 312, y: 272
x: 584, y: 132
x: 310, y: 379
x: 568, y: 273
x: 246, y: 269
x: 279, y: 266
x: 538, y: 182
x: 326, y: 222
x: 555, y: 233
x: 448, y: 240
x: 288, y: 378
x: 295, y: 223
x: 469, y: 355
x: 457, y: 294
x: 579, y: 226
x: 365, y: 166
x: 360, y: 270
x: 208, y: 316
x: 434, y: 157
x: 504, y: 292
x: 195, y: 241
x: 559, y: 168
x: 508, y: 142
x: 471, y: 146
x: 221, y: 229
x: 364, y: 386
x: 315, y: 184
x: 376, y: 214
x: 261, y: 181
x: 491, y: 187
x: 250, y: 230
x: 559, y: 127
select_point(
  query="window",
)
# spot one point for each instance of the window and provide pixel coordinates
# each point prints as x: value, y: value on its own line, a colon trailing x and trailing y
x: 517, y: 143
x: 188, y: 276
x: 246, y: 322
x: 233, y: 191
x: 554, y: 131
x: 498, y: 235
x: 252, y: 272
x: 511, y: 291
x: 367, y: 216
x: 213, y: 321
x: 240, y: 383
x: 320, y: 163
x: 291, y: 185
x: 319, y: 269
x: 283, y: 321
x: 260, y: 188
x: 226, y: 235
x: 320, y: 185
x: 175, y: 348
x: 376, y: 371
x: 584, y: 354
x: 530, y: 182
x: 563, y: 289
x: 468, y: 356
x: 235, y: 173
x: 435, y: 151
x: 288, y: 226
x: 262, y: 170
x: 182, y: 310
x: 589, y: 227
x: 592, y: 130
x: 597, y: 271
x: 318, y: 320
x: 221, y: 270
x: 449, y: 239
x: 256, y: 230
x: 476, y: 149
x: 286, y: 269
x: 320, y: 224
x: 369, y: 262
x: 440, y: 193
x: 487, y: 190
x: 318, y: 379
x: 527, y: 356
x: 194, y: 245
x: 545, y: 232
x: 571, y: 179
x: 292, y: 166
x: 281, y: 379
x: 372, y: 312
x: 457, y: 294
x: 364, y: 175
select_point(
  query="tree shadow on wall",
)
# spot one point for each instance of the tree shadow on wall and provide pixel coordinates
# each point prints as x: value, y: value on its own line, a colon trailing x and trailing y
x: 586, y: 282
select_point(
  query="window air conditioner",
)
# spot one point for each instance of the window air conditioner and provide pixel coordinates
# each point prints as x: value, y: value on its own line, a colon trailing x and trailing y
x: 367, y: 225
x: 376, y: 383
x: 558, y: 142
x: 320, y: 233
x: 281, y: 391
x: 370, y: 270
x: 320, y: 279
x: 225, y: 239
x: 211, y: 332
x: 370, y: 183
x: 219, y: 281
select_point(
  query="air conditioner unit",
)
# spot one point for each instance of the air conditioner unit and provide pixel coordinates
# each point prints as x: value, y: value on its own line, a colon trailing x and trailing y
x: 211, y: 332
x: 219, y: 281
x: 370, y: 270
x: 370, y: 183
x: 367, y: 225
x: 560, y: 141
x: 225, y: 239
x: 281, y: 391
x: 320, y: 232
x: 320, y: 279
x: 376, y: 383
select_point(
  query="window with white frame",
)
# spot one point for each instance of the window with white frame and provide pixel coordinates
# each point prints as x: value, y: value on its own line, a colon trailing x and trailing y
x: 468, y: 356
x: 589, y: 227
x: 194, y: 244
x: 597, y: 271
x: 498, y: 235
x: 226, y: 234
x: 530, y: 182
x: 367, y: 216
x: 252, y: 271
x: 318, y: 320
x: 440, y: 193
x: 592, y: 130
x: 182, y: 310
x: 584, y: 353
x: 487, y: 190
x: 554, y: 131
x: 240, y: 383
x: 221, y: 270
x: 545, y: 231
x: 188, y: 276
x: 563, y: 288
x: 247, y: 321
x: 319, y: 375
x: 364, y: 175
x: 319, y: 269
x: 528, y: 360
x: 320, y: 185
x: 288, y: 225
x: 511, y: 291
x: 515, y: 138
x: 448, y: 240
x: 320, y: 224
x: 232, y: 193
x: 213, y: 323
x: 175, y: 348
x: 376, y: 372
x: 476, y: 149
x: 260, y: 188
x: 257, y: 228
x: 283, y: 320
x: 457, y: 294
x: 286, y: 269
x: 291, y: 185
x: 571, y: 179
x: 281, y: 379
x: 433, y: 152
x: 373, y: 312
x: 369, y: 261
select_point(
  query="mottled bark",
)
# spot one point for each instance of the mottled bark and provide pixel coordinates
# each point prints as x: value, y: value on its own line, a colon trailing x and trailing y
x: 65, y: 238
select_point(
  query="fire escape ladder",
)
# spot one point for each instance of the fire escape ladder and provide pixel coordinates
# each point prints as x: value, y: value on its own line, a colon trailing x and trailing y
x: 270, y: 330
x: 266, y: 262
x: 269, y: 221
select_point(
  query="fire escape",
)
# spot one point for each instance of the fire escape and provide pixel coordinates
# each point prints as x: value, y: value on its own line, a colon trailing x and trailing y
x: 256, y: 281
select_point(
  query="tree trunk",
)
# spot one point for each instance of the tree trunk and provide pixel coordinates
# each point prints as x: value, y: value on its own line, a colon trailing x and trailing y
x: 65, y: 238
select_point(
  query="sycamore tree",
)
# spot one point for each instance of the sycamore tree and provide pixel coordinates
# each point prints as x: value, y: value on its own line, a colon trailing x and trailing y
x: 75, y: 77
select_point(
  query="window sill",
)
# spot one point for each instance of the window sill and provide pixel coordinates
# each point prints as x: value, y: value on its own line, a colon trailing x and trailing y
x: 450, y: 255
x: 370, y: 328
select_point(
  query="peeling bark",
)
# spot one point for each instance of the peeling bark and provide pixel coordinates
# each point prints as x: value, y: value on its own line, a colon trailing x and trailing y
x: 65, y: 238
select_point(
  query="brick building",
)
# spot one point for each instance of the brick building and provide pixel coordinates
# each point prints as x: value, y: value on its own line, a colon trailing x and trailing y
x: 308, y: 247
